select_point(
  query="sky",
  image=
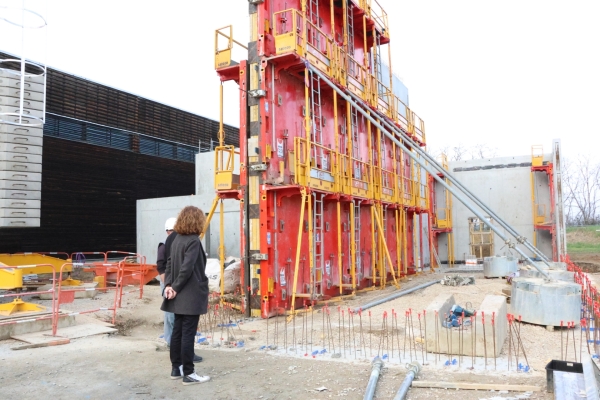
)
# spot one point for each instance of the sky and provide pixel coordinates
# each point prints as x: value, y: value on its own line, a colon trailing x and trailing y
x: 505, y: 74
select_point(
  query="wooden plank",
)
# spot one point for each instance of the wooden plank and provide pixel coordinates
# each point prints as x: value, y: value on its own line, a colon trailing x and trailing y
x: 475, y: 386
x: 71, y: 332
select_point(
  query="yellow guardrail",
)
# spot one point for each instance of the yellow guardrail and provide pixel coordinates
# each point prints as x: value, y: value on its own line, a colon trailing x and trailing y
x: 223, y: 54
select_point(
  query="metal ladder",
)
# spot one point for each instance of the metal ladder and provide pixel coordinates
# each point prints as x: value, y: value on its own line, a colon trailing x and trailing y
x: 317, y: 118
x: 318, y: 248
x: 355, y: 145
x: 313, y: 13
x: 378, y: 67
x: 350, y: 28
x: 384, y: 222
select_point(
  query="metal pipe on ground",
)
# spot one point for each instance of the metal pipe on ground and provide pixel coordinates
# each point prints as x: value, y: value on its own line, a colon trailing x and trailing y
x: 372, y: 385
x: 413, y: 370
x: 393, y: 296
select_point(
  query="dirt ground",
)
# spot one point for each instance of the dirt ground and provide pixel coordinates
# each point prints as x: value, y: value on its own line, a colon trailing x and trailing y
x: 134, y: 362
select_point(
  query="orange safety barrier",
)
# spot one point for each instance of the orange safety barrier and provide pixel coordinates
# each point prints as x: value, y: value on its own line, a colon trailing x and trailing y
x: 132, y: 272
x: 68, y: 297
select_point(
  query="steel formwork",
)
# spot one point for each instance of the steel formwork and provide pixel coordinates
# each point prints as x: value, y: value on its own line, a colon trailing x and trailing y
x: 328, y: 203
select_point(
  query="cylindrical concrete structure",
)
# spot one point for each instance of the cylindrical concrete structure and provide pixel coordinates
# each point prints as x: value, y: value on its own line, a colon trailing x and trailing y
x: 540, y: 302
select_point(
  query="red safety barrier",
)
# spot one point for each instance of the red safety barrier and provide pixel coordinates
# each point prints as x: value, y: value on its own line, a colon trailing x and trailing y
x: 68, y: 296
x: 52, y: 291
x: 132, y: 272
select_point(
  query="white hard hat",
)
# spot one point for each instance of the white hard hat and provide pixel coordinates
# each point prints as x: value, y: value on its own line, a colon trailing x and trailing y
x: 170, y: 224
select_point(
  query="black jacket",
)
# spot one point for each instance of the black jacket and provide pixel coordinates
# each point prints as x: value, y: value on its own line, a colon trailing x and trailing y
x: 163, y: 253
x: 185, y: 273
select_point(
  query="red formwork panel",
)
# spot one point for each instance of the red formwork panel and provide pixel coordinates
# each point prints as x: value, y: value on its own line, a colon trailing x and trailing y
x: 351, y: 174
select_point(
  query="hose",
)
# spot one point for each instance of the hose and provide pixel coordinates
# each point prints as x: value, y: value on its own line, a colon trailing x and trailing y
x: 375, y: 371
x: 413, y: 370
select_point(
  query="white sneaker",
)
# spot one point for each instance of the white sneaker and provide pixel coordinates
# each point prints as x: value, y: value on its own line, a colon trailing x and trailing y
x: 195, y: 378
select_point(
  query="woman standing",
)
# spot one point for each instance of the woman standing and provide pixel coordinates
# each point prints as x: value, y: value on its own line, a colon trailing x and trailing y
x: 186, y: 292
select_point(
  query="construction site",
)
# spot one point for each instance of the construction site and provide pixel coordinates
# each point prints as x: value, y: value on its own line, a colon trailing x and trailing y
x: 344, y: 258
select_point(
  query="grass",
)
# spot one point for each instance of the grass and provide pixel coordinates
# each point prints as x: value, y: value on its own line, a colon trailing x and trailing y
x: 583, y: 239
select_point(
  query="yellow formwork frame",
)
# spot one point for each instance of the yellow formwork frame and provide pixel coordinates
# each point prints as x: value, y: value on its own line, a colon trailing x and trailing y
x: 298, y: 245
x: 399, y: 234
x: 211, y: 213
x: 222, y: 246
x: 339, y: 243
x: 311, y: 254
x: 373, y: 263
x: 352, y: 246
x: 387, y: 252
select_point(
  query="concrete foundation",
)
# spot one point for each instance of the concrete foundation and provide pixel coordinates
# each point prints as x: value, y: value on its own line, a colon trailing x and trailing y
x: 458, y: 341
x: 545, y: 303
x: 6, y: 331
x: 499, y: 267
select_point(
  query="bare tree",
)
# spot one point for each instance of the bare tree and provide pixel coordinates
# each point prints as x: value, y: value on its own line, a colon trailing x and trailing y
x: 483, y: 151
x: 581, y: 179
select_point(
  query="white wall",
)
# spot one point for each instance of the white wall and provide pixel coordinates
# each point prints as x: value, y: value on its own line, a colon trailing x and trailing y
x: 152, y: 214
x: 507, y: 191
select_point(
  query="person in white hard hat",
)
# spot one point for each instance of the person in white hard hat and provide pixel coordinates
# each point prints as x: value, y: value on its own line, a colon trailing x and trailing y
x: 161, y: 264
x: 164, y: 252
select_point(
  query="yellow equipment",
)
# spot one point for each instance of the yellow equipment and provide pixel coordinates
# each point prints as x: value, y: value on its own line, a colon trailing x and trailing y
x: 31, y: 263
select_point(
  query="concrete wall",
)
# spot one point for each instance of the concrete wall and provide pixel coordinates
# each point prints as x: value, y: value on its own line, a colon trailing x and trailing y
x: 504, y: 185
x: 152, y: 214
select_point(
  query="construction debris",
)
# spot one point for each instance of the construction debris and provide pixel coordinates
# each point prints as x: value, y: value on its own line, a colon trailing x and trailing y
x: 457, y: 280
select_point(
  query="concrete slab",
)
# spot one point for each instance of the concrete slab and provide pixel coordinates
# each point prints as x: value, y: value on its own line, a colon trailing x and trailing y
x: 463, y: 341
x: 72, y: 332
x: 29, y: 324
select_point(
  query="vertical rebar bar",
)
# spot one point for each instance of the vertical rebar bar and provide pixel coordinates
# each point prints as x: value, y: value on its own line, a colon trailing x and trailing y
x: 561, y: 342
x: 484, y: 339
x: 421, y: 336
x: 574, y: 345
x: 425, y: 319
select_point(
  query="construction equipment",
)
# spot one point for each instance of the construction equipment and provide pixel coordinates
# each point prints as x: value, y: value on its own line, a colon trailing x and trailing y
x: 26, y: 263
x: 342, y: 157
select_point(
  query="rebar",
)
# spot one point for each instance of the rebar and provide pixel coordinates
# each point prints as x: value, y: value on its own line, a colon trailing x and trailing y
x: 472, y: 344
x: 397, y: 336
x: 370, y: 333
x: 567, y: 343
x: 312, y: 321
x: 448, y: 340
x: 362, y: 338
x: 343, y: 334
x: 412, y: 327
x: 484, y: 339
x: 421, y: 336
x: 574, y: 345
x: 561, y: 342
x: 351, y: 323
x: 405, y: 328
x: 425, y: 334
x: 392, y: 324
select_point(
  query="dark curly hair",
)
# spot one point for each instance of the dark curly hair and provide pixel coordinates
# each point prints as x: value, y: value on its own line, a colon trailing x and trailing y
x: 191, y: 220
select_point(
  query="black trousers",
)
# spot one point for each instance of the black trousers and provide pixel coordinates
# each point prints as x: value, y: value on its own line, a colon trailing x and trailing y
x: 182, y: 342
